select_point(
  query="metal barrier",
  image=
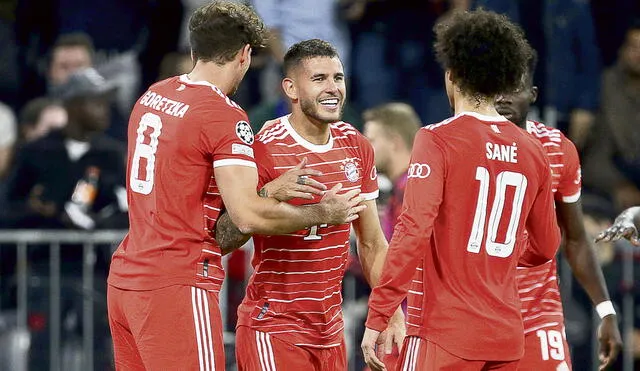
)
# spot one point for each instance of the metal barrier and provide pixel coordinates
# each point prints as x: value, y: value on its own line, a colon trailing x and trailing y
x: 22, y: 239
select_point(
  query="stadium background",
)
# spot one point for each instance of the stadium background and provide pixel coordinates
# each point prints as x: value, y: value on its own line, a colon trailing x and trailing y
x: 52, y: 284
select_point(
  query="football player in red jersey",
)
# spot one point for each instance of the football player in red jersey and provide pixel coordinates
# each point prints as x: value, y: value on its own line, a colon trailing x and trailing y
x: 291, y: 317
x: 191, y: 156
x: 546, y: 346
x: 476, y: 182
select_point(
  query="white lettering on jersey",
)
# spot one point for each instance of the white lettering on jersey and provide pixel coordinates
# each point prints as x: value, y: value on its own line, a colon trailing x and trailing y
x: 420, y: 171
x: 502, y: 152
x: 159, y: 103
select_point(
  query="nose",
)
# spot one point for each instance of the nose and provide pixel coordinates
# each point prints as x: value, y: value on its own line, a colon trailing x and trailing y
x: 503, y: 99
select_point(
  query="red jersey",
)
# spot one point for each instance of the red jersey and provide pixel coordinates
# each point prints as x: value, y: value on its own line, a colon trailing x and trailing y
x: 294, y: 293
x: 538, y: 286
x: 179, y: 131
x: 474, y: 184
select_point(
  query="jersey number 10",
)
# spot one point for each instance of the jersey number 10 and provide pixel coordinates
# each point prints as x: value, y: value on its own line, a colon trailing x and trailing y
x: 145, y: 151
x: 503, y: 180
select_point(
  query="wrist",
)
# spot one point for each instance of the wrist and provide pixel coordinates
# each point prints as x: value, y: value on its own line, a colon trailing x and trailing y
x: 605, y: 309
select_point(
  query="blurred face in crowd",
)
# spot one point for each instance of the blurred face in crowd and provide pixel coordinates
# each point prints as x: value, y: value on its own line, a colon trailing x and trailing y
x: 515, y: 105
x: 383, y: 144
x: 318, y: 84
x: 89, y: 112
x: 51, y: 118
x: 630, y: 52
x: 67, y: 60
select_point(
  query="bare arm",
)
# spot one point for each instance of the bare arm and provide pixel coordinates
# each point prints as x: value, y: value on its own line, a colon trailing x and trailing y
x: 372, y: 251
x: 254, y: 214
x: 584, y: 264
x: 228, y: 236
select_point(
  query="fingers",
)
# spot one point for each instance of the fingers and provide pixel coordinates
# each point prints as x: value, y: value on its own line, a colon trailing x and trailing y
x: 371, y: 360
x: 306, y: 172
x: 357, y: 209
x: 336, y: 188
x: 388, y: 343
x: 318, y: 187
x: 301, y: 164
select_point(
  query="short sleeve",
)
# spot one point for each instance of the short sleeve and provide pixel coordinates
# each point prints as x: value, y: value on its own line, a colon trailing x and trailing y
x: 571, y: 179
x: 228, y: 138
x: 266, y: 172
x: 369, y: 173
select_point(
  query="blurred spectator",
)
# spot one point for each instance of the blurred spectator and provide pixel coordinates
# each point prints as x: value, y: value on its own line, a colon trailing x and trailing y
x: 563, y: 34
x: 73, y: 177
x: 612, y: 161
x: 70, y: 53
x: 39, y: 116
x: 391, y: 128
x: 392, y: 54
x: 8, y: 137
x: 174, y: 64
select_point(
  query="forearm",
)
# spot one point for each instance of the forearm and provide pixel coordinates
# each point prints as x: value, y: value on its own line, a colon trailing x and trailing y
x: 632, y: 214
x: 584, y: 264
x: 372, y: 256
x: 228, y: 236
x: 269, y: 216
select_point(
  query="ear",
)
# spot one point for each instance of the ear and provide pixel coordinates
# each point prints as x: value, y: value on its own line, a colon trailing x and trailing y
x: 448, y: 76
x: 534, y: 94
x: 245, y: 54
x: 289, y: 88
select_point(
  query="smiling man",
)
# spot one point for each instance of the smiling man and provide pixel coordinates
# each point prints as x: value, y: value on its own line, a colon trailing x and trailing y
x: 291, y: 316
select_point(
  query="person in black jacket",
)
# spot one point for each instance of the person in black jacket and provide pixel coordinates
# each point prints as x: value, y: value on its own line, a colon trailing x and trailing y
x: 73, y: 177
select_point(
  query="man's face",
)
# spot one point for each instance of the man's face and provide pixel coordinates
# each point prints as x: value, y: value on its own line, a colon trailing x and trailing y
x: 91, y: 112
x: 515, y: 105
x: 51, y: 118
x: 321, y: 88
x: 381, y: 143
x: 630, y: 53
x: 67, y: 60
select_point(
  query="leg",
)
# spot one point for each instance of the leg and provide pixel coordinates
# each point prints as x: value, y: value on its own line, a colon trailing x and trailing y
x: 125, y: 350
x: 259, y: 351
x: 177, y: 327
x: 334, y: 358
x: 546, y: 350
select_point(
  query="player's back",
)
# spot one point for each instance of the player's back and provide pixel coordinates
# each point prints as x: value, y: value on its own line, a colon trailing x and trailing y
x: 177, y: 133
x: 494, y: 174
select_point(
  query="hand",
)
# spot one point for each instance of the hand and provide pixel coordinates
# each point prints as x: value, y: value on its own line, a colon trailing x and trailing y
x: 343, y: 208
x: 610, y: 341
x: 369, y: 341
x: 35, y: 202
x: 623, y: 227
x: 295, y: 183
x: 395, y: 333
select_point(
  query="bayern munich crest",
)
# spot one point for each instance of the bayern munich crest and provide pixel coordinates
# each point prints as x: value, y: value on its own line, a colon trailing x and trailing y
x: 351, y: 171
x: 244, y: 132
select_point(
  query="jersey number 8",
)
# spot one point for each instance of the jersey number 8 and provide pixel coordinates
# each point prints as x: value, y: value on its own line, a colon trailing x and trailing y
x: 146, y: 151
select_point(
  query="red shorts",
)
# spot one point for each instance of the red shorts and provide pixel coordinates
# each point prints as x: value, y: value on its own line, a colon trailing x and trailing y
x: 546, y: 349
x: 422, y: 355
x: 259, y: 351
x: 173, y: 328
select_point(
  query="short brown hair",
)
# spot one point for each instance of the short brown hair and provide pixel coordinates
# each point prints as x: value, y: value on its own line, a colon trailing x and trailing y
x: 218, y: 30
x: 307, y: 49
x: 486, y: 53
x: 74, y: 39
x: 399, y: 118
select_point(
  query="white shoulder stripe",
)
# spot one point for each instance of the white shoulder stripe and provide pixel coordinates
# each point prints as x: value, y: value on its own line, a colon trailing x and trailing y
x: 234, y: 162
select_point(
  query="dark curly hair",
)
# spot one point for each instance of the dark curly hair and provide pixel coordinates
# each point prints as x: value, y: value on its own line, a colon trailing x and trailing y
x: 218, y: 30
x: 307, y: 49
x: 486, y: 53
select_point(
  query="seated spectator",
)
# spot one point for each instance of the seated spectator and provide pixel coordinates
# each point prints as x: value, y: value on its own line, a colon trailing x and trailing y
x: 39, y: 116
x: 71, y: 52
x: 612, y: 159
x: 73, y: 177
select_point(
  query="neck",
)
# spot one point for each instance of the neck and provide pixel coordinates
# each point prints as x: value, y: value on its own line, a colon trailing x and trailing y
x: 312, y: 130
x: 464, y: 103
x: 399, y: 165
x: 222, y: 76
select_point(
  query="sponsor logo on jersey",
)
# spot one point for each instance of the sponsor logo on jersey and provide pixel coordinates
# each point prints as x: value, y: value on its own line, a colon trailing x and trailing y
x: 374, y: 173
x: 244, y: 132
x: 420, y: 171
x: 578, y: 177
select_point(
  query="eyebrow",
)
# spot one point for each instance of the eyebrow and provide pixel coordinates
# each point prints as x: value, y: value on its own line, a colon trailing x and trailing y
x: 339, y: 74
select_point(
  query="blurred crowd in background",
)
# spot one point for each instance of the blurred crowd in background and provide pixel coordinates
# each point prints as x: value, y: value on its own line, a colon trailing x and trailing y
x: 70, y: 71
